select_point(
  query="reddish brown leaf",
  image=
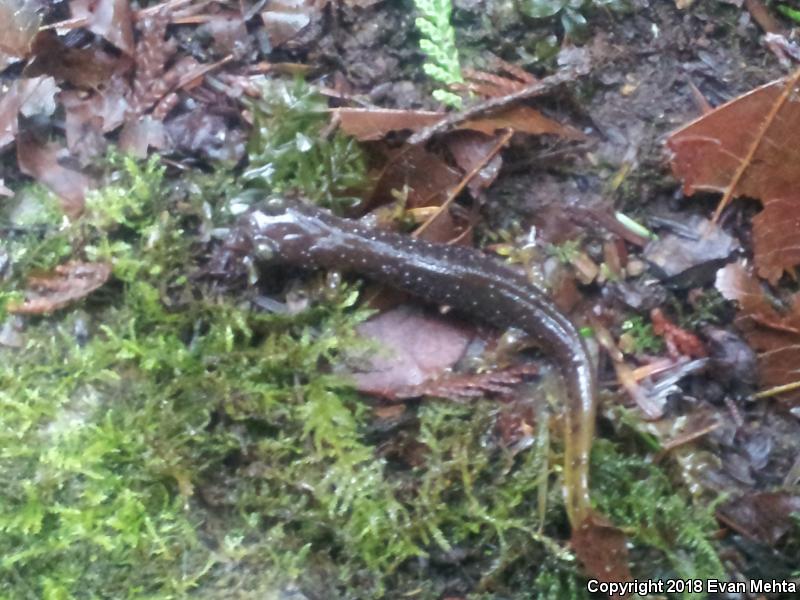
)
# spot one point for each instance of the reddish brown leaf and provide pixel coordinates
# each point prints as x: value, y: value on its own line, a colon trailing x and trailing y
x: 41, y: 161
x: 602, y: 549
x: 426, y: 177
x: 522, y: 119
x: 110, y: 19
x: 375, y: 123
x: 762, y: 516
x: 66, y: 284
x: 368, y: 124
x: 746, y: 148
x: 775, y: 335
x: 679, y: 341
x: 415, y: 347
x: 470, y: 149
x: 85, y: 68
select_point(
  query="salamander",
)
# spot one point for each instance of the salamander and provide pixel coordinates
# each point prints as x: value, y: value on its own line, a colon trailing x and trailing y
x: 463, y: 278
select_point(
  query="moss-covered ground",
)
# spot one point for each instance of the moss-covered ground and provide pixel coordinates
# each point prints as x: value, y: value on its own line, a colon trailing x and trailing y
x: 165, y: 438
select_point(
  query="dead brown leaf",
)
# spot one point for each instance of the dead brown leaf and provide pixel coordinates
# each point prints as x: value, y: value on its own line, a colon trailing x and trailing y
x: 602, y: 549
x: 68, y: 283
x: 425, y: 176
x: 85, y: 68
x: 522, y: 119
x: 41, y: 161
x: 469, y: 149
x: 763, y: 516
x: 229, y: 33
x: 367, y: 124
x: 415, y: 347
x: 89, y: 115
x: 746, y: 148
x: 774, y: 334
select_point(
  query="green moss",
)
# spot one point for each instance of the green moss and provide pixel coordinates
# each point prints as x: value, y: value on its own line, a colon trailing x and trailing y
x: 641, y: 336
x: 193, y: 446
x: 639, y: 497
x: 290, y: 152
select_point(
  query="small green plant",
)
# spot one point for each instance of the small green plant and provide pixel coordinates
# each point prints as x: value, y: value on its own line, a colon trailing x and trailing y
x: 788, y: 11
x: 289, y: 151
x: 638, y: 497
x: 439, y: 43
x: 565, y: 252
x: 640, y: 336
x: 571, y: 12
x: 709, y: 309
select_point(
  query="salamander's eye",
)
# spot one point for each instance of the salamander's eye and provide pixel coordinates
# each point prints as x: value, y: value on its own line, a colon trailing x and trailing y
x: 275, y: 205
x: 264, y: 248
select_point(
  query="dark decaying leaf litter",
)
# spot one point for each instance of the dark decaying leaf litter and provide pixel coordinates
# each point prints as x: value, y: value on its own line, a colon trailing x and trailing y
x: 183, y: 417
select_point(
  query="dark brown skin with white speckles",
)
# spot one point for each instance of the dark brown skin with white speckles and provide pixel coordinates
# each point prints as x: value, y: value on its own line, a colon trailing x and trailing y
x: 460, y: 277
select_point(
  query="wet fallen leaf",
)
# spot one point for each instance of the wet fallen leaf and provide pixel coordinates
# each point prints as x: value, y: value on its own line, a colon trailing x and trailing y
x: 680, y: 342
x: 762, y: 516
x: 469, y: 149
x: 67, y: 283
x: 746, y: 148
x: 415, y: 347
x: 138, y: 135
x: 41, y: 161
x: 85, y: 68
x: 602, y: 549
x: 774, y: 334
x: 367, y: 124
x: 376, y: 123
x: 426, y: 177
x: 89, y: 115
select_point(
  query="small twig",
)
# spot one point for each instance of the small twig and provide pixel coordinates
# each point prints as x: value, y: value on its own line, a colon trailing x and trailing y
x: 778, y: 389
x: 543, y: 86
x: 762, y: 16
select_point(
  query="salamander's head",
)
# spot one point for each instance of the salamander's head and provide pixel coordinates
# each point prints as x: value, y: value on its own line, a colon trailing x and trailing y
x: 281, y: 229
